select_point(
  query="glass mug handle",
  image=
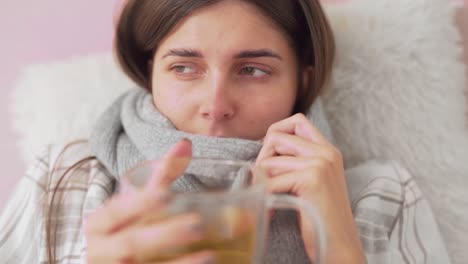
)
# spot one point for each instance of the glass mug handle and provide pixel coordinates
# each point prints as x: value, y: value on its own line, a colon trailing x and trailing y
x: 288, y: 202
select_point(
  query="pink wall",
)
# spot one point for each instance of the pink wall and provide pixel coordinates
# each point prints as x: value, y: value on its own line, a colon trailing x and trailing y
x: 38, y: 31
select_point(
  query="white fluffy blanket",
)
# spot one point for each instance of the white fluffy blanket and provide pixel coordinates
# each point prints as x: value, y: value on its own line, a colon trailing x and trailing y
x: 398, y: 93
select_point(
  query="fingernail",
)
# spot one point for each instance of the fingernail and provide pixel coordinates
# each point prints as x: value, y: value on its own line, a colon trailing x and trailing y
x: 186, y: 140
x: 183, y: 150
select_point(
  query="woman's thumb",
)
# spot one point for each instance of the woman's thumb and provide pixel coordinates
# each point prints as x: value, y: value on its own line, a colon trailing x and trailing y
x: 172, y: 165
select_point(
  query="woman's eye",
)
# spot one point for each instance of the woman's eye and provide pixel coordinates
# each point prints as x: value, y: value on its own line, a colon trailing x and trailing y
x: 183, y: 69
x: 253, y: 71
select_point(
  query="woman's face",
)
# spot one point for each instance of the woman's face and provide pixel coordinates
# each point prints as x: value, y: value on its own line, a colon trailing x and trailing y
x: 225, y: 71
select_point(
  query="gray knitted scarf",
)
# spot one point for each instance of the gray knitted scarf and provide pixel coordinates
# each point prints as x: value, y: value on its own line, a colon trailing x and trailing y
x: 132, y: 130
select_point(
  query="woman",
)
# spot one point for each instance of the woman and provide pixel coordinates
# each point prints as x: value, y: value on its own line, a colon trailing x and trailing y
x: 236, y: 78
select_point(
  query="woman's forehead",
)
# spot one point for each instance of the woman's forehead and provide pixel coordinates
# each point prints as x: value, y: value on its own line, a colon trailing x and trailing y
x: 227, y: 28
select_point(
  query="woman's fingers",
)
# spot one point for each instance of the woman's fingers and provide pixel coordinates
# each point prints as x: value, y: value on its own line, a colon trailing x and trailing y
x: 171, y: 166
x: 310, y: 179
x: 123, y: 209
x: 130, y: 227
x: 301, y: 126
x: 283, y: 144
x: 280, y: 143
x: 154, y: 241
x: 279, y: 165
x: 127, y: 207
x: 148, y: 242
x: 297, y: 126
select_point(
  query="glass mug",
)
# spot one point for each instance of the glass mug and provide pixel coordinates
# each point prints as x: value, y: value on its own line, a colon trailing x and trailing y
x: 235, y: 208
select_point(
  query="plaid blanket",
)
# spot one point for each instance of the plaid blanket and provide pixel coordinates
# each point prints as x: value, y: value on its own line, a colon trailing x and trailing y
x: 395, y: 222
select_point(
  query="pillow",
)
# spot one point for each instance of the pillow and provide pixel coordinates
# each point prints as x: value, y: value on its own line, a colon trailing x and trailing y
x: 58, y: 102
x: 397, y: 93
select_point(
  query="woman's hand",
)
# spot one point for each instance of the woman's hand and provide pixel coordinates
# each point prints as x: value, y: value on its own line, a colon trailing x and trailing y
x: 119, y: 231
x: 301, y: 162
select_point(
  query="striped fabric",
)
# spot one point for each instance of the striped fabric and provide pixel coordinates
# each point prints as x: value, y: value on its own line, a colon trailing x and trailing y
x: 395, y: 222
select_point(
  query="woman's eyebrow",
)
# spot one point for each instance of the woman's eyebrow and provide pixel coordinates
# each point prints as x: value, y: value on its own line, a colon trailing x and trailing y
x: 245, y: 54
x: 187, y: 53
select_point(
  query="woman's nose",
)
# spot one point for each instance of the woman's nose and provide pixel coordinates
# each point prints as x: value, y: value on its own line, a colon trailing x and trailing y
x: 218, y: 104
